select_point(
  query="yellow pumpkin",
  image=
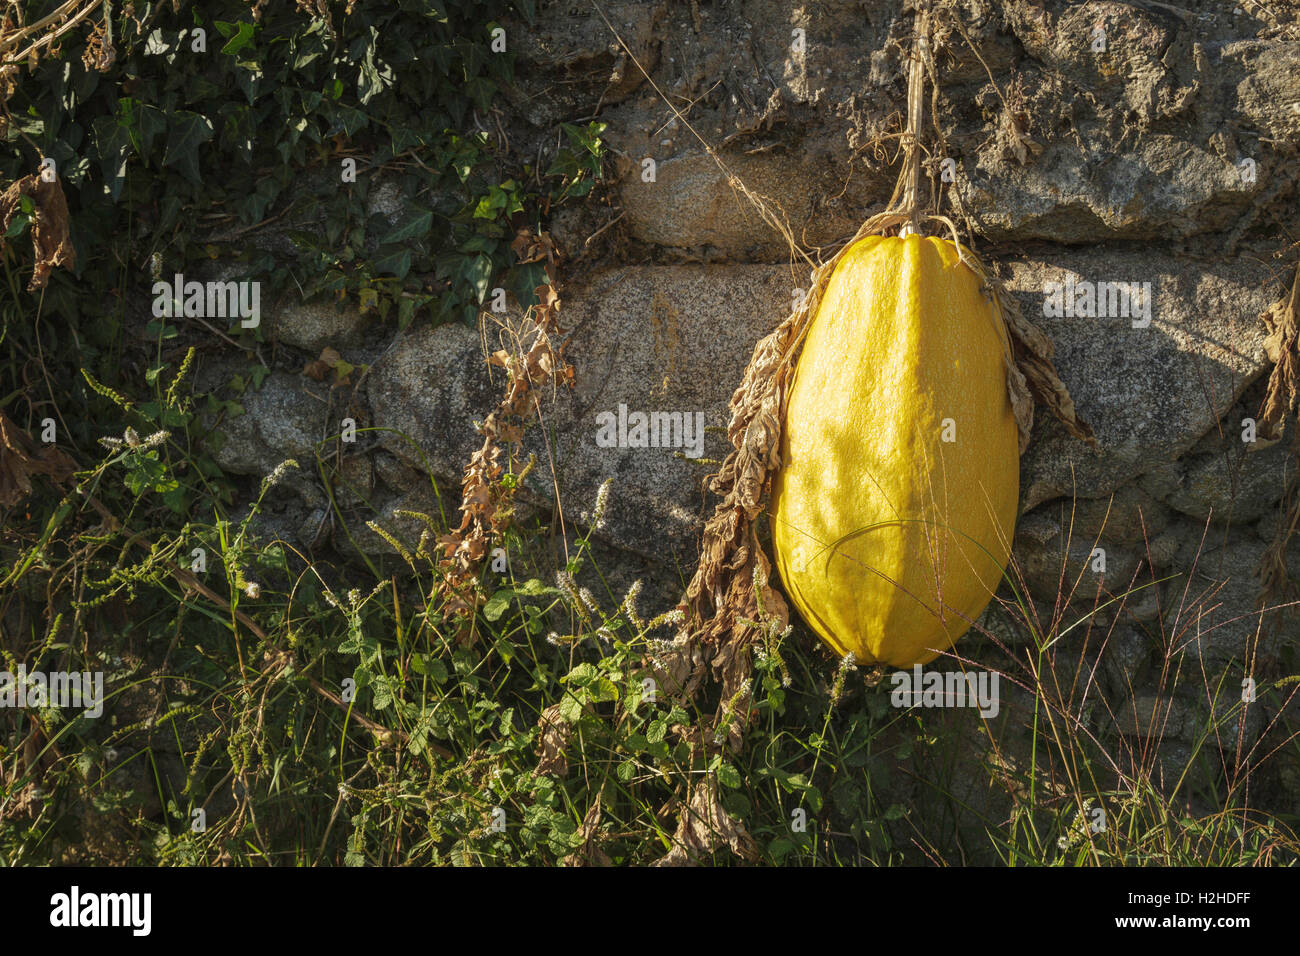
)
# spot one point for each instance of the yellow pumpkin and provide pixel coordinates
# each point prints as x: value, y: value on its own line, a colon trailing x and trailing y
x: 893, y: 509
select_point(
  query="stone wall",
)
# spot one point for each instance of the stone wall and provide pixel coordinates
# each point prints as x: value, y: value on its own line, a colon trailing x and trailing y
x: 1169, y: 157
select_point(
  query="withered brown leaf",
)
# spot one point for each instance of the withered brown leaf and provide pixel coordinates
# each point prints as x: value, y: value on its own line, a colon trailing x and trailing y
x: 703, y: 826
x: 1282, y: 321
x: 20, y: 459
x: 50, y: 238
x: 589, y: 852
x: 552, y: 742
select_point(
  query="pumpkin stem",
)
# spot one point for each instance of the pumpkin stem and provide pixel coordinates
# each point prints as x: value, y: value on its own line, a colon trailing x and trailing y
x: 910, y: 177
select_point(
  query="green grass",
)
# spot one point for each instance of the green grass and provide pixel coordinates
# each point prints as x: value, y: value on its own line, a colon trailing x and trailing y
x: 228, y: 701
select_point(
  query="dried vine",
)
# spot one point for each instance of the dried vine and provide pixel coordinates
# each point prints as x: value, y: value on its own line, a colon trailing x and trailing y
x: 486, y: 502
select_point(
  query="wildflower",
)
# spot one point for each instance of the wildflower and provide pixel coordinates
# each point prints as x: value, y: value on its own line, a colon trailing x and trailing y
x: 564, y: 581
x: 629, y: 605
x: 597, y: 517
x: 848, y: 663
x: 276, y: 476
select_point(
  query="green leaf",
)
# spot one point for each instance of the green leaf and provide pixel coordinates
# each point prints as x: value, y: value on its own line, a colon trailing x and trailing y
x: 497, y: 604
x: 491, y: 205
x: 113, y: 145
x: 602, y: 689
x: 242, y: 35
x: 393, y: 261
x: 417, y: 227
x: 152, y: 124
x: 535, y: 588
x: 571, y: 709
x: 478, y: 273
x: 187, y: 132
x: 780, y: 848
x: 581, y: 676
x: 657, y: 730
x: 20, y: 222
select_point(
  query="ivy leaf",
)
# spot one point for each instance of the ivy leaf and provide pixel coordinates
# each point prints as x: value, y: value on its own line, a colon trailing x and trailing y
x: 375, y: 75
x: 161, y: 42
x: 241, y: 34
x: 112, y: 143
x: 478, y: 273
x: 153, y: 123
x: 417, y: 227
x: 394, y: 261
x: 350, y: 121
x: 188, y: 132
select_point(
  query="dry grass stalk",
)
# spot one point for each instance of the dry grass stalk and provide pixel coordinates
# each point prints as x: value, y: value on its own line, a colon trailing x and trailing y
x: 1281, y: 400
x: 486, y: 503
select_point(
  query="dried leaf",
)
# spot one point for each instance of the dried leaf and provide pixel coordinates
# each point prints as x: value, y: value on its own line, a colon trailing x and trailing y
x: 1282, y: 398
x: 703, y: 826
x: 485, y: 503
x: 553, y: 741
x: 1030, y: 370
x: 1283, y: 395
x: 50, y: 239
x: 20, y: 459
x: 589, y: 853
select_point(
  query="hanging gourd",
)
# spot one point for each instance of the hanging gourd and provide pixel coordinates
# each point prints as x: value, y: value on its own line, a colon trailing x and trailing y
x: 893, y: 510
x: 880, y: 426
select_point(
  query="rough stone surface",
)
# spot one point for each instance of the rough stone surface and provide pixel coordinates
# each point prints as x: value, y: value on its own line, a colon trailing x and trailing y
x: 281, y: 420
x: 1065, y: 142
x: 312, y: 326
x: 1150, y: 393
x: 1153, y: 715
x: 653, y: 339
x: 1213, y: 609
